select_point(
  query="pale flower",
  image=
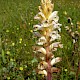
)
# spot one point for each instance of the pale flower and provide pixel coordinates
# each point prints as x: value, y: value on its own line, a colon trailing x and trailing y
x: 45, y: 25
x: 42, y: 50
x: 55, y: 60
x: 44, y: 72
x: 42, y: 40
x: 37, y: 34
x: 61, y: 45
x: 42, y: 57
x: 54, y: 17
x: 57, y: 26
x: 54, y: 49
x: 40, y: 16
x: 37, y: 27
x: 55, y: 45
x: 42, y: 65
x: 46, y: 7
x: 54, y: 35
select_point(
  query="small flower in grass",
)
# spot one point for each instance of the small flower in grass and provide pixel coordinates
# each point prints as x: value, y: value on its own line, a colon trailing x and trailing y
x: 21, y: 68
x: 20, y: 40
x: 31, y: 31
x: 17, y: 28
x: 13, y: 44
x: 7, y: 30
x: 65, y: 70
x: 65, y: 13
x: 8, y: 78
x: 8, y: 52
x: 25, y: 66
x: 11, y: 59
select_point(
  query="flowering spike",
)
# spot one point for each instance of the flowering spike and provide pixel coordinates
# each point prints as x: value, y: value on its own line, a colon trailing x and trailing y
x: 47, y: 32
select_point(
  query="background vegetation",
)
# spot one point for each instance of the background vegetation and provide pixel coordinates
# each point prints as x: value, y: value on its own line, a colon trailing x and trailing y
x: 17, y: 61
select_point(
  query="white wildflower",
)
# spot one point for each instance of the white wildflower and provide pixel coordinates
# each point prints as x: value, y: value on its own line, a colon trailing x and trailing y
x: 54, y: 17
x: 55, y: 60
x: 42, y: 40
x: 44, y: 72
x: 42, y: 50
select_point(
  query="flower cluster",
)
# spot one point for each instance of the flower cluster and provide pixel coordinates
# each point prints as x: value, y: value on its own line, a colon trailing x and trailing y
x: 74, y: 34
x: 49, y: 38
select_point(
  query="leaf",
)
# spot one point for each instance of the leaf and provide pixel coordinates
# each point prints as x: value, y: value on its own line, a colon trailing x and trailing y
x: 34, y: 60
x: 3, y: 56
x: 72, y: 73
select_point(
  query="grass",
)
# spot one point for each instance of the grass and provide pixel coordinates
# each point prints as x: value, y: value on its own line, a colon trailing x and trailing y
x: 16, y: 41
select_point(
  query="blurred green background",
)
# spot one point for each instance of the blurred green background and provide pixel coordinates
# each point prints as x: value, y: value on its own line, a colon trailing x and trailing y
x: 17, y: 61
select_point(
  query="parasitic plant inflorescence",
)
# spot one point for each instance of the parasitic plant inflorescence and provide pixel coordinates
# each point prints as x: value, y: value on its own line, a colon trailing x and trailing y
x: 74, y: 33
x: 49, y: 39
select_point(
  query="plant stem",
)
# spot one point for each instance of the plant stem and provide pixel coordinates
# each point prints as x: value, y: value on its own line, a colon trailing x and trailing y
x: 78, y: 69
x: 49, y: 74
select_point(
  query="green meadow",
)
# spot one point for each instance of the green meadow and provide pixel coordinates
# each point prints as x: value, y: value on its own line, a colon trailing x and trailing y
x: 17, y: 60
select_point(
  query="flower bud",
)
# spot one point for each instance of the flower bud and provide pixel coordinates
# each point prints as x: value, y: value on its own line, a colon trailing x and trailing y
x: 40, y: 16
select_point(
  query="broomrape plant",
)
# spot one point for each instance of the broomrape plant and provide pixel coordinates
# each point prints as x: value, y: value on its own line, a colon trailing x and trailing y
x: 47, y: 32
x: 75, y: 36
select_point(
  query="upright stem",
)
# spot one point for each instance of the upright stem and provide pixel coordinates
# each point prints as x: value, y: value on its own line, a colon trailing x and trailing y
x: 49, y: 74
x: 78, y: 69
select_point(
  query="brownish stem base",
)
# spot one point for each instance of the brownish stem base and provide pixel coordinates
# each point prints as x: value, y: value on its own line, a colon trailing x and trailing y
x: 78, y: 70
x: 49, y: 74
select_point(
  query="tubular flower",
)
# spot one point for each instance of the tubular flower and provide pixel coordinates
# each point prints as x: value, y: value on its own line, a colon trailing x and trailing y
x: 44, y: 72
x: 55, y: 60
x: 42, y: 65
x: 42, y: 50
x: 47, y: 33
x: 42, y: 41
